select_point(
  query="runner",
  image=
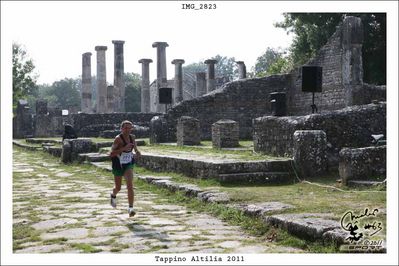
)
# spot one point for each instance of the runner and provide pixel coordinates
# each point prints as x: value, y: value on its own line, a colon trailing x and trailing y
x: 123, y: 162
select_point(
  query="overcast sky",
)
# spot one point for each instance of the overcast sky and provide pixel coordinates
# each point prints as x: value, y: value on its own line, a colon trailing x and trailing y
x: 56, y: 34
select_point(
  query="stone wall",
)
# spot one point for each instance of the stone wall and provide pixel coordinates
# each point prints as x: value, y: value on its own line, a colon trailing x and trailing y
x: 363, y: 164
x: 240, y: 101
x: 243, y: 100
x: 48, y: 125
x: 91, y: 125
x: 348, y: 127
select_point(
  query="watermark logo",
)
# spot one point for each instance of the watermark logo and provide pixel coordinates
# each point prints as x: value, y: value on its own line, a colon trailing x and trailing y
x: 361, y: 227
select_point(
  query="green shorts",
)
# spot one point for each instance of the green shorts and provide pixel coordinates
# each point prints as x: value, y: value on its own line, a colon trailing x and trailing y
x: 121, y: 172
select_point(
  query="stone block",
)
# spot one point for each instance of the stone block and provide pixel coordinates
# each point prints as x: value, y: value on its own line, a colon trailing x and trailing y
x: 66, y: 151
x: 310, y: 152
x: 188, y: 131
x: 71, y: 148
x: 225, y: 134
x: 367, y: 163
x: 158, y: 129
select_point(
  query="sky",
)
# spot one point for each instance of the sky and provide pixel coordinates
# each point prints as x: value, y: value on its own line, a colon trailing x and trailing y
x: 56, y: 34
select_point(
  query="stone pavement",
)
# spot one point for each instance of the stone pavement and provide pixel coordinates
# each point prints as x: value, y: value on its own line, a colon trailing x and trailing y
x: 56, y: 211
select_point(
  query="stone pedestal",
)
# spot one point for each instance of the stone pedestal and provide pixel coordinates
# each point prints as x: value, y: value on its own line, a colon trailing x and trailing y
x: 158, y: 130
x: 145, y: 85
x: 225, y: 134
x: 310, y: 152
x: 365, y: 164
x: 101, y: 101
x: 188, y: 131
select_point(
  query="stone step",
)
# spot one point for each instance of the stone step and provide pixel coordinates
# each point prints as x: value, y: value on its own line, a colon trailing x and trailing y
x: 255, y: 166
x: 33, y: 140
x: 94, y: 157
x: 257, y: 177
x: 206, y: 168
x: 364, y: 183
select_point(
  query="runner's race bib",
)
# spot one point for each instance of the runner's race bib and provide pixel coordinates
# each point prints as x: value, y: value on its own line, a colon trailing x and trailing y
x: 126, y: 157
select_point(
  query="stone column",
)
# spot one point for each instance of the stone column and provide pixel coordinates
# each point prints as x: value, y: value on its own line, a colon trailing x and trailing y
x: 178, y: 80
x: 161, y: 62
x: 119, y: 81
x: 86, y: 83
x: 352, y: 65
x: 200, y: 84
x: 111, y: 100
x: 145, y: 85
x: 210, y: 81
x: 101, y: 103
x: 242, y: 70
x: 161, y: 71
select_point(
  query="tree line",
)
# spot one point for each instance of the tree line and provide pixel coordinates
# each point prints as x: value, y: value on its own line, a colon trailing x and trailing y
x: 310, y: 32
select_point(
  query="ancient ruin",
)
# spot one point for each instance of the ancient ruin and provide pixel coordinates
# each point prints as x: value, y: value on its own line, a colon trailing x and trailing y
x: 86, y: 83
x: 285, y: 143
x: 272, y: 111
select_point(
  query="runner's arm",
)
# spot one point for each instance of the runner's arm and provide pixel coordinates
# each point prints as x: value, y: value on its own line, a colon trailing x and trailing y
x: 117, y: 147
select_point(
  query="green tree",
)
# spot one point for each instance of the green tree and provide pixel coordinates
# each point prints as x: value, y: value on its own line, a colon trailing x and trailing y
x: 225, y: 67
x: 23, y: 76
x: 265, y: 61
x: 281, y: 65
x: 64, y: 94
x: 133, y: 92
x: 312, y: 31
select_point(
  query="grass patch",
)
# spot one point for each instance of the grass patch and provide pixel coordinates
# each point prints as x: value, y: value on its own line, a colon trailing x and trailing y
x: 252, y: 225
x: 86, y: 248
x: 60, y: 240
x: 156, y: 248
x: 22, y: 233
x: 206, y: 150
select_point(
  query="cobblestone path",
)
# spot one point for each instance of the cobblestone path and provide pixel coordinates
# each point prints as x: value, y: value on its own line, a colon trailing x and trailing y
x: 65, y: 209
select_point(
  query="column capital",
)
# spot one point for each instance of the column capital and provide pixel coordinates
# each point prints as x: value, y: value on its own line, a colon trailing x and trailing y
x: 100, y: 48
x: 145, y: 60
x: 160, y: 44
x: 86, y: 54
x: 178, y: 61
x: 210, y: 61
x: 118, y: 42
x: 240, y: 62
